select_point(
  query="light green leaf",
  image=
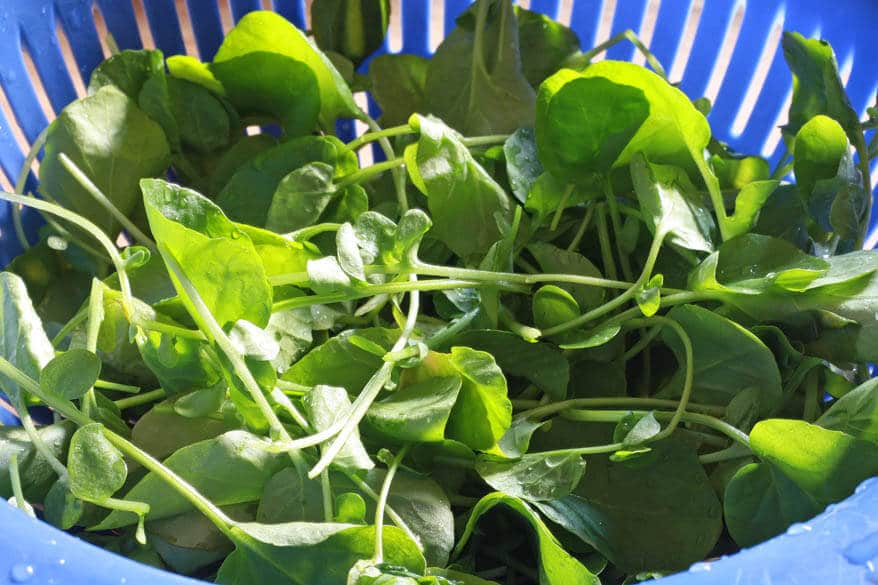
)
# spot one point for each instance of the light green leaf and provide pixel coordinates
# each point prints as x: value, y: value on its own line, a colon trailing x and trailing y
x: 96, y: 468
x: 325, y: 406
x: 416, y: 413
x: 533, y: 477
x: 71, y: 374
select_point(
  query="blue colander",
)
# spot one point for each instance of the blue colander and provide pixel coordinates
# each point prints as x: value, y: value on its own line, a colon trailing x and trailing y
x: 726, y: 50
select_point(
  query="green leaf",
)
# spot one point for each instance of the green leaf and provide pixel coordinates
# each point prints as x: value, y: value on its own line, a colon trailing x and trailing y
x: 636, y: 429
x: 761, y: 502
x: 127, y: 71
x: 37, y: 476
x: 539, y: 363
x: 461, y: 195
x: 71, y: 374
x: 818, y: 149
x: 348, y: 252
x: 114, y: 143
x: 649, y: 296
x: 62, y: 509
x: 337, y: 362
x: 248, y: 195
x: 292, y: 332
x: 398, y: 86
x: 552, y: 259
x: 545, y: 44
x: 522, y: 164
x: 253, y: 342
x: 656, y: 512
x: 219, y: 259
x: 305, y: 553
x: 350, y: 508
x: 416, y: 413
x: 735, y: 171
x: 477, y: 66
x: 855, y: 413
x: 23, y: 342
x: 191, y: 69
x: 727, y: 359
x: 290, y: 496
x: 748, y: 204
x: 533, y: 477
x: 556, y: 566
x: 271, y: 40
x: 230, y: 469
x: 353, y: 28
x: 552, y: 305
x: 670, y: 205
x: 827, y: 465
x: 325, y: 406
x: 817, y: 86
x: 516, y: 440
x: 584, y: 123
x: 546, y: 195
x: 97, y: 470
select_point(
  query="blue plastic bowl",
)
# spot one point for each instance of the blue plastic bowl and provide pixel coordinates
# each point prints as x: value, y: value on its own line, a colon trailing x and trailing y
x: 733, y: 57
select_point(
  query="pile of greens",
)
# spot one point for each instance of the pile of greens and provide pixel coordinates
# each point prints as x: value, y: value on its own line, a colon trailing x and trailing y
x: 558, y: 334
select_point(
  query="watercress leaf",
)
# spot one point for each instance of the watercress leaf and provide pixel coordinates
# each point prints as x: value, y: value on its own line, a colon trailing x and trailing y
x: 252, y: 341
x: 179, y: 364
x: 292, y: 332
x: 649, y: 296
x: 301, y: 197
x: 818, y: 88
x: 461, y: 195
x: 825, y: 464
x: 670, y: 205
x: 748, y: 203
x: 248, y: 195
x: 735, y: 171
x: 232, y: 468
x: 353, y: 28
x: 552, y: 305
x: 202, y: 402
x: 667, y: 485
x: 761, y: 502
x: 305, y: 553
x: 162, y: 431
x: 96, y: 468
x: 522, y: 164
x: 326, y: 276
x: 855, y: 413
x: 818, y: 149
x: 583, y: 124
x: 350, y: 508
x: 545, y: 44
x: 337, y: 362
x: 636, y: 429
x: 416, y: 413
x: 784, y: 215
x: 234, y: 157
x: 727, y: 359
x: 552, y: 259
x: 70, y: 374
x: 290, y: 496
x: 37, y: 476
x: 219, y: 259
x: 348, y: 252
x: 61, y: 508
x: 325, y: 406
x: 477, y: 66
x: 556, y: 566
x: 23, y: 342
x: 127, y: 70
x: 533, y: 477
x: 398, y: 86
x: 267, y: 34
x: 279, y: 255
x: 675, y: 133
x: 114, y: 143
x: 753, y: 264
x: 269, y: 84
x: 539, y: 363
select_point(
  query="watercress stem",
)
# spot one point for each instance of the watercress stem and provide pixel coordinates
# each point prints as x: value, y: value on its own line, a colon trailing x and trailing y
x: 398, y: 175
x: 378, y: 133
x: 604, y: 241
x: 306, y: 233
x: 72, y: 324
x: 562, y: 205
x: 616, y: 221
x: 583, y: 59
x: 382, y: 503
x: 580, y: 232
x: 117, y: 387
x: 642, y: 343
x: 139, y: 399
x: 617, y: 401
x: 735, y: 451
x: 484, y: 140
x: 20, y: 183
x: 17, y: 492
x: 86, y: 183
x: 40, y: 445
x: 863, y: 164
x: 95, y: 318
x: 369, y: 172
x: 326, y: 489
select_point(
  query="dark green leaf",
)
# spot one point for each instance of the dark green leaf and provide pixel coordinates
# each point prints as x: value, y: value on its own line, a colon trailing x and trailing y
x: 398, y: 86
x: 855, y: 413
x: 552, y: 259
x: 97, y: 470
x: 353, y: 28
x: 417, y: 413
x: 37, y: 476
x: 545, y: 44
x: 533, y: 477
x: 522, y: 164
x: 71, y: 374
x: 290, y: 496
x: 127, y: 71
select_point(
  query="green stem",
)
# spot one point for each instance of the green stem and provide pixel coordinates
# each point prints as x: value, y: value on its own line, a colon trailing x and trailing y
x: 620, y: 300
x: 863, y: 163
x: 617, y: 401
x: 170, y: 329
x: 398, y: 174
x: 86, y: 183
x: 514, y: 277
x: 20, y: 182
x: 782, y: 168
x: 642, y: 343
x: 39, y: 444
x: 72, y: 324
x: 117, y: 387
x: 616, y: 221
x: 485, y: 140
x: 378, y: 134
x: 604, y: 241
x: 382, y: 504
x: 93, y: 230
x: 95, y: 318
x: 288, y: 387
x: 15, y: 480
x: 369, y: 172
x: 584, y: 59
x: 140, y: 399
x: 326, y: 488
x: 306, y: 233
x: 735, y: 451
x: 716, y: 196
x: 439, y: 339
x: 580, y: 232
x: 562, y: 205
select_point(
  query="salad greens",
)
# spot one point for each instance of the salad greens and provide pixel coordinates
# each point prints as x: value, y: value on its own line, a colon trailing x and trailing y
x: 558, y: 332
